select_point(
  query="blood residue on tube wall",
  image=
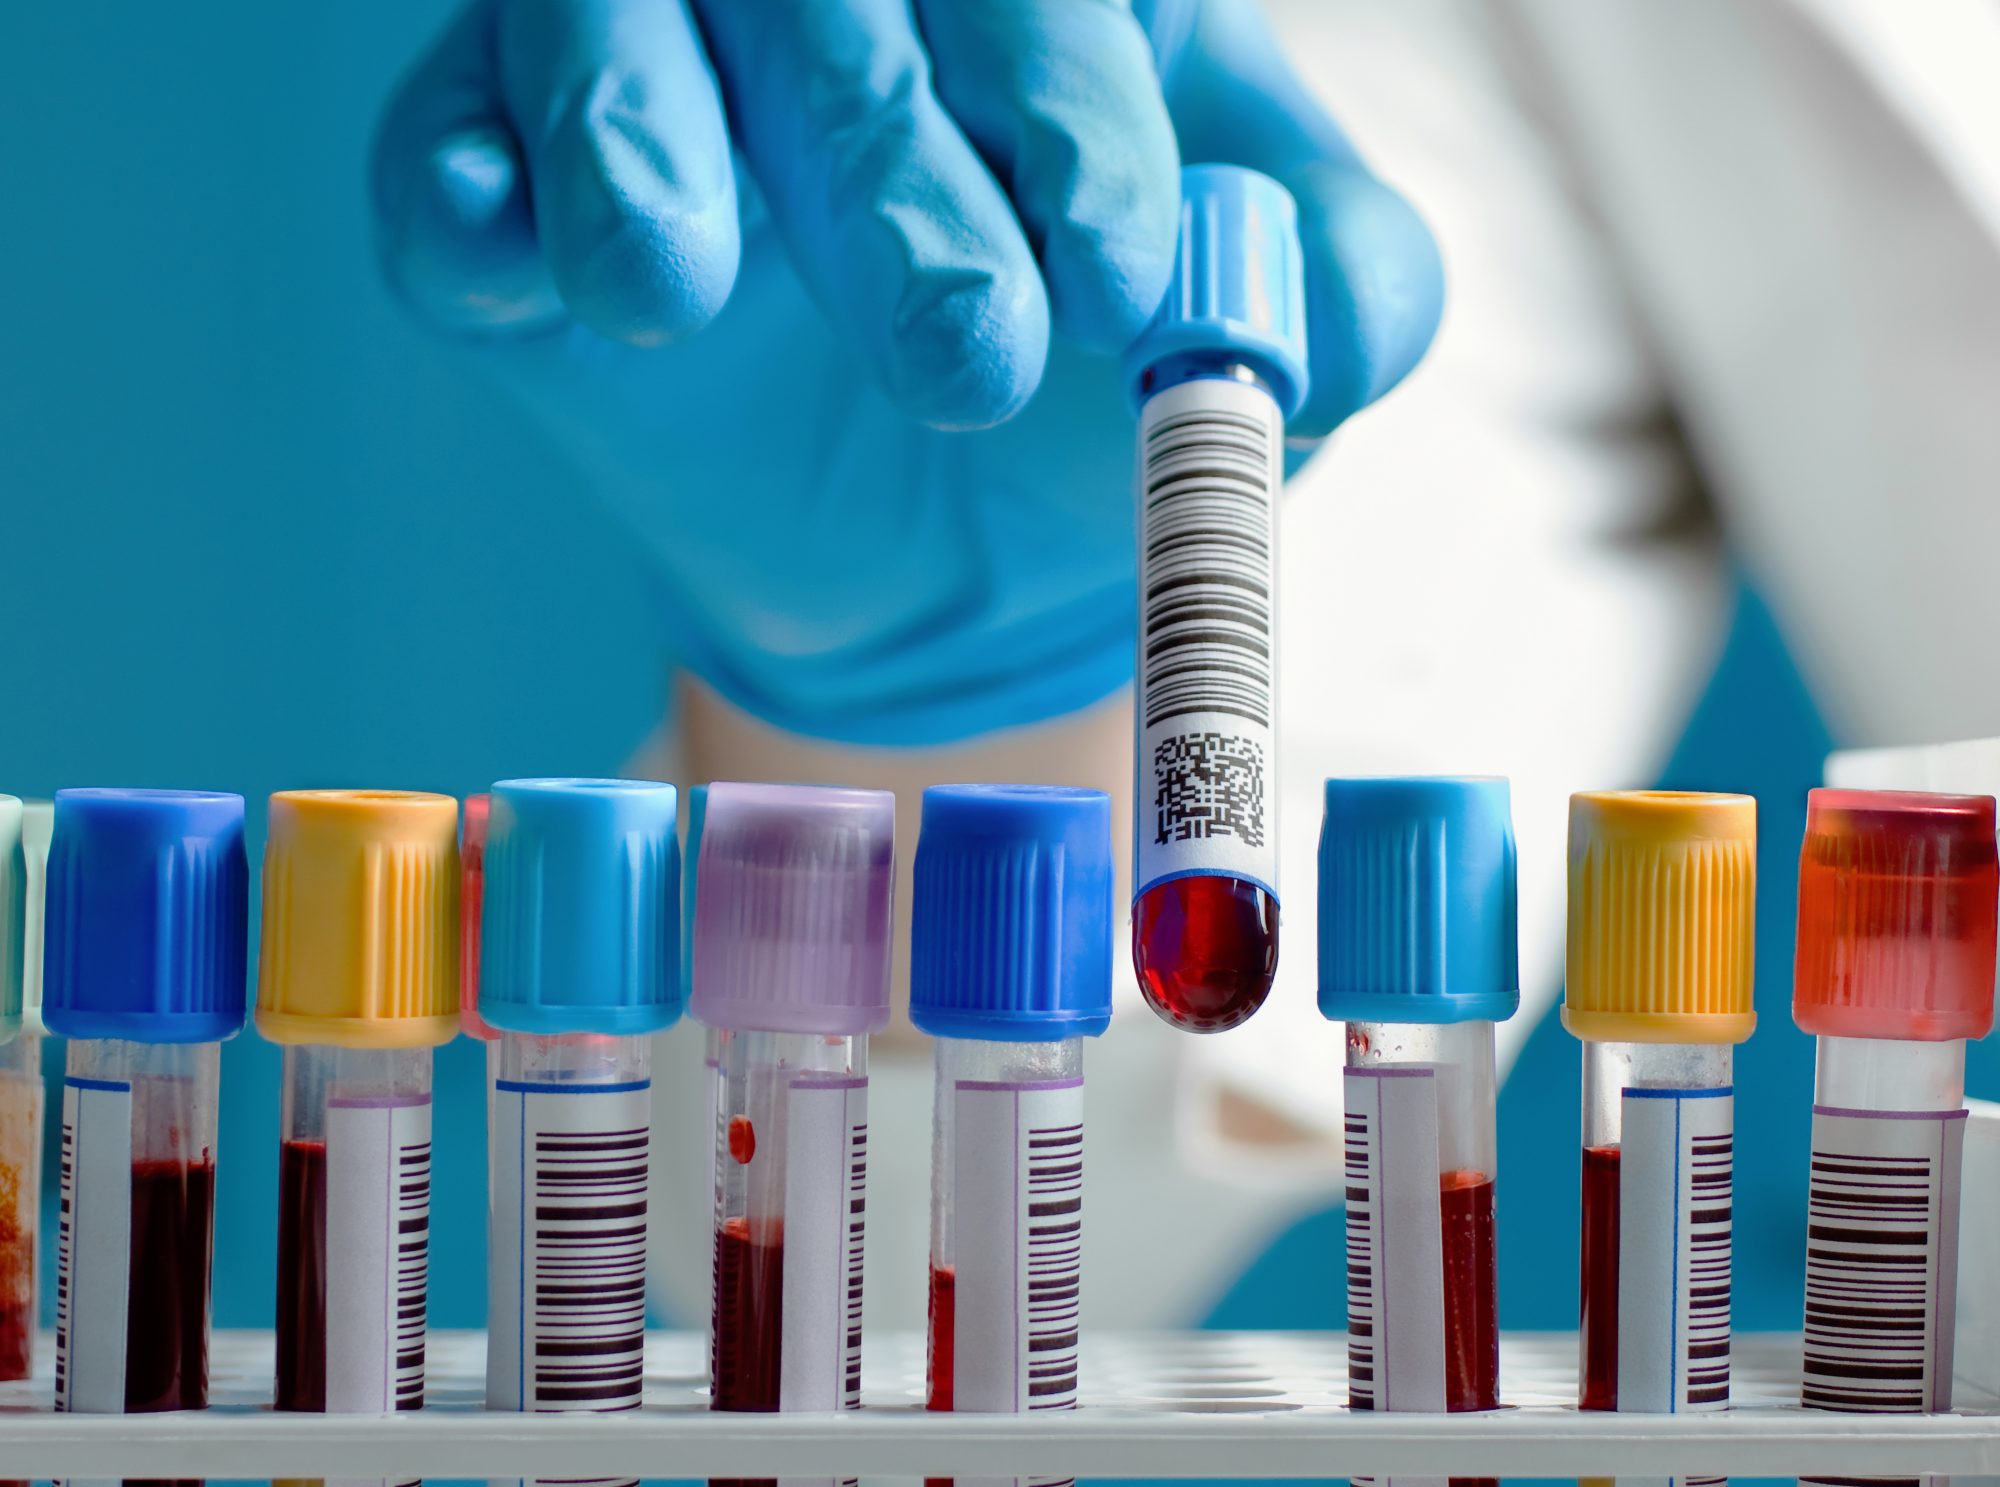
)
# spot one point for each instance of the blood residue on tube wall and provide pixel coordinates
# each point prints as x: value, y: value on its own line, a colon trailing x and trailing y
x: 744, y: 1348
x: 1206, y: 950
x: 166, y: 1319
x: 17, y: 1279
x: 1471, y: 1315
x: 1598, y: 1317
x: 301, y: 1374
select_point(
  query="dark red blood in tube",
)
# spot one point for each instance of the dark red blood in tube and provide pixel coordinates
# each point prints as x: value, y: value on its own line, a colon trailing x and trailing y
x: 742, y: 1140
x: 944, y: 1318
x: 749, y: 1319
x: 1206, y: 950
x: 302, y: 1276
x: 17, y: 1330
x: 1599, y: 1303
x: 166, y: 1319
x: 1471, y: 1313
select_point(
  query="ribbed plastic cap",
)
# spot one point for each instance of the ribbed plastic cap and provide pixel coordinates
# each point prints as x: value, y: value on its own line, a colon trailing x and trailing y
x: 38, y: 821
x: 1662, y: 916
x: 582, y: 910
x: 1238, y: 286
x: 690, y: 879
x: 1416, y: 902
x: 1897, y: 904
x: 792, y: 909
x: 360, y: 945
x: 472, y: 817
x: 146, y: 936
x: 13, y: 916
x: 1011, y: 934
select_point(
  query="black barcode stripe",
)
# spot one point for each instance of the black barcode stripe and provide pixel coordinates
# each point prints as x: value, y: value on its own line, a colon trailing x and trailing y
x: 857, y: 1208
x: 1360, y: 1262
x: 413, y: 1224
x: 1054, y: 1263
x: 1706, y: 1346
x: 588, y: 1195
x: 65, y: 1246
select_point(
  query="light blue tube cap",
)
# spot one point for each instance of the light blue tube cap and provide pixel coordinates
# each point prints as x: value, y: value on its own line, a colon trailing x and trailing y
x: 1010, y: 936
x: 582, y: 911
x: 1238, y: 288
x: 1416, y: 901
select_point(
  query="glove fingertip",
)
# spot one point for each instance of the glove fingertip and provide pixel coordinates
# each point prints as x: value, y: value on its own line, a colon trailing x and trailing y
x: 968, y: 345
x: 1105, y: 285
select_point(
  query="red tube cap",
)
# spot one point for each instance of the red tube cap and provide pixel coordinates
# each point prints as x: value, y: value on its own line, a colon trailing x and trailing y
x: 1897, y: 901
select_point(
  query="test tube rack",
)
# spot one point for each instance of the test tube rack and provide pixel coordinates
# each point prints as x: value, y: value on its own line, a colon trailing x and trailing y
x: 1167, y: 1405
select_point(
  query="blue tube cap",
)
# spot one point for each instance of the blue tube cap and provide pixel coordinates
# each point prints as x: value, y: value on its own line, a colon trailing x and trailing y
x: 146, y: 930
x: 1239, y: 288
x: 1011, y: 932
x: 582, y: 908
x: 1416, y: 902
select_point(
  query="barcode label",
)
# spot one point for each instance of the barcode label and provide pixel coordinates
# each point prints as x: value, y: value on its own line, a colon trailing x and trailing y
x: 1395, y: 1241
x: 1673, y: 1250
x: 1211, y: 464
x: 378, y: 1207
x: 567, y: 1312
x: 1017, y: 1180
x: 826, y: 1176
x: 94, y: 1246
x: 1882, y: 1259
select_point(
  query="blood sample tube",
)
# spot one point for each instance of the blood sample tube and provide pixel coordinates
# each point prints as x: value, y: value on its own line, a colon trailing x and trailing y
x: 1894, y: 972
x: 1010, y: 970
x: 358, y: 982
x: 20, y: 1108
x: 1214, y: 377
x: 1417, y: 955
x: 144, y: 973
x: 579, y: 966
x: 1662, y: 903
x: 791, y: 971
x: 471, y: 906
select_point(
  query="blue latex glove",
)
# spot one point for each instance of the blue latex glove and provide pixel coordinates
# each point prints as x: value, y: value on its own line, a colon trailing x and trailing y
x: 886, y: 488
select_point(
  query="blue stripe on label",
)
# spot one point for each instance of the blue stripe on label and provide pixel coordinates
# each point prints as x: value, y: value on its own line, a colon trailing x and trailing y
x: 537, y: 1087
x: 1204, y: 872
x: 120, y: 1086
x: 1681, y: 1094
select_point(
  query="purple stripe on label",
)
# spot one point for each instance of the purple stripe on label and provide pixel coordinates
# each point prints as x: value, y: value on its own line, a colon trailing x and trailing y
x: 834, y: 1081
x: 1959, y: 1114
x: 1020, y: 1084
x: 1394, y: 1071
x: 377, y: 1102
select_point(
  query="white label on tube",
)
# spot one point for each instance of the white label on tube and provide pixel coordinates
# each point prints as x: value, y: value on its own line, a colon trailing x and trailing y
x: 1211, y: 462
x: 94, y: 1235
x: 826, y: 1171
x: 1017, y: 1190
x: 1882, y: 1259
x: 567, y: 1288
x: 1395, y: 1241
x: 378, y: 1204
x: 1673, y: 1250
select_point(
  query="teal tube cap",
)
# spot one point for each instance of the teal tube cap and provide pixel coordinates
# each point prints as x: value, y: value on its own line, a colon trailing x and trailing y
x: 582, y: 908
x: 1417, y: 901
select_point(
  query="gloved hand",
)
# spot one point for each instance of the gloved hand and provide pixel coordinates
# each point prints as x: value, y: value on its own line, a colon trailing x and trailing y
x: 887, y: 487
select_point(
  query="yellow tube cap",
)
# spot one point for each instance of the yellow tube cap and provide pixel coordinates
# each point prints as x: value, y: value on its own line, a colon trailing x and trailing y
x: 1662, y: 916
x: 360, y: 919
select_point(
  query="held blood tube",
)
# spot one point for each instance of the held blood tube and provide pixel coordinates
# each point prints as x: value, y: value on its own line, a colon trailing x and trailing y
x: 144, y: 973
x: 1010, y: 970
x: 358, y: 982
x: 1662, y: 900
x: 579, y: 967
x: 1894, y: 971
x: 1417, y: 955
x: 1214, y: 377
x: 791, y: 972
x: 20, y: 1100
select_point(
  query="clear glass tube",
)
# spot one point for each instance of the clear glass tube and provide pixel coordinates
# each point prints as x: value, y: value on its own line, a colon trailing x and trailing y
x: 789, y: 1158
x: 1889, y: 1074
x: 1047, y: 1080
x: 139, y: 1137
x: 353, y: 1227
x: 20, y: 1199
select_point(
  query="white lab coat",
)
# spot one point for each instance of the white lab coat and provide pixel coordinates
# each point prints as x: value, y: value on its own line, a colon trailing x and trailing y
x: 1721, y: 275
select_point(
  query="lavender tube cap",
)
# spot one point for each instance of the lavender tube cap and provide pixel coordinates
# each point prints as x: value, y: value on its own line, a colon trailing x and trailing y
x: 793, y: 892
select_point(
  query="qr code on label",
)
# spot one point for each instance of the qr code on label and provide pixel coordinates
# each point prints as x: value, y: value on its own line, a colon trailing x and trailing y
x: 1208, y: 785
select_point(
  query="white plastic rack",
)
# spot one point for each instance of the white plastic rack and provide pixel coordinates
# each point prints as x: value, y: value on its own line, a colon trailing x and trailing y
x: 1154, y: 1405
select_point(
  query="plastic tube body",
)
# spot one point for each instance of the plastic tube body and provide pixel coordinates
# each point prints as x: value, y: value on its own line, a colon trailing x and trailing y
x: 1006, y: 1213
x: 1658, y: 1132
x: 1882, y: 1226
x: 791, y: 1152
x: 354, y: 1169
x: 568, y: 1154
x: 21, y: 1101
x: 1205, y: 913
x: 137, y: 1237
x: 1422, y: 1273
